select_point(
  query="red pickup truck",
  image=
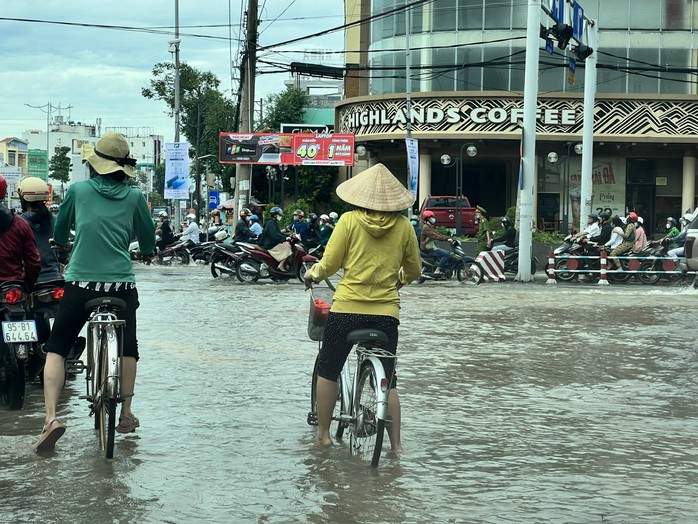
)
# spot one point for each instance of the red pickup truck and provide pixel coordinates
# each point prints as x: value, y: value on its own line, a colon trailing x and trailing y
x: 444, y: 208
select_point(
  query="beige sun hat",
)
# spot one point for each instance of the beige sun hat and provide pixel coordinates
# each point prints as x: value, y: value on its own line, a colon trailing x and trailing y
x: 111, y: 154
x: 376, y: 189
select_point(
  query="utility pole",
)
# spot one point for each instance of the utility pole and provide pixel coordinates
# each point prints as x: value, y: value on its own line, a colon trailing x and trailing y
x: 243, y: 186
x: 47, y: 108
x: 174, y: 47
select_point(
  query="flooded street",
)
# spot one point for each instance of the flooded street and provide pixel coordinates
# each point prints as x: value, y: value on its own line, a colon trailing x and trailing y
x: 521, y: 403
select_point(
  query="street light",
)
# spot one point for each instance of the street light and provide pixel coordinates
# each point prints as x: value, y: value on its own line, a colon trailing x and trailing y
x: 446, y: 160
x: 271, y: 180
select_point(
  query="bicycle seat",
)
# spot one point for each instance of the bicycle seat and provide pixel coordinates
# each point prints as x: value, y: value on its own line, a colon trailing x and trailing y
x: 112, y: 303
x: 368, y: 337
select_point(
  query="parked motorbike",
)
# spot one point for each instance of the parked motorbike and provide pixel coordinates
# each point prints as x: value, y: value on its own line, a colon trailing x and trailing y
x: 465, y: 268
x: 511, y: 262
x: 258, y: 263
x: 19, y: 335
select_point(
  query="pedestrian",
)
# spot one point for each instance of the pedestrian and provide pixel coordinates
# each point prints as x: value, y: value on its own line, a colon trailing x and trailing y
x: 20, y: 260
x: 107, y: 212
x: 484, y: 236
x: 377, y: 248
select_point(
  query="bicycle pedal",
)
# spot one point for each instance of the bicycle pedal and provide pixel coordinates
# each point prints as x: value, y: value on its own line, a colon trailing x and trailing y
x: 312, y: 419
x: 75, y: 367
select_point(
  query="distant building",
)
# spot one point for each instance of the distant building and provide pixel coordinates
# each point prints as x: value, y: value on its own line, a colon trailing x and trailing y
x: 13, y: 152
x: 323, y: 94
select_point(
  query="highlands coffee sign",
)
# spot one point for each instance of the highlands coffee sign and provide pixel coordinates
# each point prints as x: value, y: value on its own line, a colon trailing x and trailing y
x: 612, y: 118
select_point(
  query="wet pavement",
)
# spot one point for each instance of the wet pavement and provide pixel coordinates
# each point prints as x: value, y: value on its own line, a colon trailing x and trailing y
x: 521, y: 403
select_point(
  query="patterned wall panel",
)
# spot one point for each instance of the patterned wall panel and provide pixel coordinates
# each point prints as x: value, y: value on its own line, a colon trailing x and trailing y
x: 613, y: 118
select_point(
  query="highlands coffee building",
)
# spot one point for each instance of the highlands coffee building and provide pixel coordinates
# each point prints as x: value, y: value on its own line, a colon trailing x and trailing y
x: 467, y: 102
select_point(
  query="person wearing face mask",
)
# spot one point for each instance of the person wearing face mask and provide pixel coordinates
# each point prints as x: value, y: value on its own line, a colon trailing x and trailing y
x: 165, y: 232
x: 427, y: 244
x: 484, y: 236
x: 242, y: 228
x: 300, y: 226
x: 274, y: 241
x: 671, y: 232
x: 417, y: 228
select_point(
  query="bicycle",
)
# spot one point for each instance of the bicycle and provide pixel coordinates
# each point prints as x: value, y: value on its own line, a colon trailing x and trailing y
x: 362, y: 398
x: 104, y: 359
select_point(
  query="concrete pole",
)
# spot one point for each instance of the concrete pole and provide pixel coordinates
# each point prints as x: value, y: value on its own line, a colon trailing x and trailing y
x: 688, y: 192
x: 529, y: 140
x: 175, y: 203
x: 588, y: 128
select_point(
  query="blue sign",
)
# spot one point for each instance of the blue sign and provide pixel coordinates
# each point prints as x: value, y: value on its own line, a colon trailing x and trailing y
x: 578, y: 22
x: 213, y: 199
x: 549, y: 45
x: 558, y: 11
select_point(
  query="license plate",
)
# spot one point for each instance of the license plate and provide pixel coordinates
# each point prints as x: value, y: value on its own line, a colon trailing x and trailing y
x: 24, y: 331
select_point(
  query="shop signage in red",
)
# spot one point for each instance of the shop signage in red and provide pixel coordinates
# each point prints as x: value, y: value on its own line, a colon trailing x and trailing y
x: 326, y: 149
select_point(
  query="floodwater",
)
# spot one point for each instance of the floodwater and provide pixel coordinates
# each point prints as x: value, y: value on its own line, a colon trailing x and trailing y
x: 521, y: 403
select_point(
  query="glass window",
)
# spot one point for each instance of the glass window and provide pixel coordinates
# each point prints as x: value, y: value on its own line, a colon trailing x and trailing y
x: 552, y: 78
x: 400, y: 23
x: 470, y: 14
x: 676, y: 14
x: 675, y: 83
x: 614, y: 14
x: 444, y: 15
x: 518, y: 69
x: 399, y: 82
x: 496, y: 77
x: 443, y: 79
x: 378, y: 83
x: 468, y: 78
x: 643, y: 81
x: 645, y: 14
x: 612, y: 80
x: 520, y: 15
x: 417, y: 18
x: 498, y: 15
x: 377, y: 30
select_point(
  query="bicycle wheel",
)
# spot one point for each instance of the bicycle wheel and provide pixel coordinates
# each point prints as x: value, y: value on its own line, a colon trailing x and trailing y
x: 106, y: 412
x: 469, y: 272
x: 366, y: 429
x: 312, y: 416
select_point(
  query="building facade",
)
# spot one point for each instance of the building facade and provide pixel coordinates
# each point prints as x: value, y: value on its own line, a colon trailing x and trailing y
x: 467, y: 81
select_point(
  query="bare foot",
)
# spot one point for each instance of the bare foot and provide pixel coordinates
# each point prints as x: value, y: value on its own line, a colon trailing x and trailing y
x: 323, y: 441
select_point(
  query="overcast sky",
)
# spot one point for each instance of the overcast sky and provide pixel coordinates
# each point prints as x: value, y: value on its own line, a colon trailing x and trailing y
x: 100, y: 71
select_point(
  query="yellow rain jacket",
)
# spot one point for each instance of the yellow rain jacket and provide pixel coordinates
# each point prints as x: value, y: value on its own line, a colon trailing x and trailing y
x: 376, y: 250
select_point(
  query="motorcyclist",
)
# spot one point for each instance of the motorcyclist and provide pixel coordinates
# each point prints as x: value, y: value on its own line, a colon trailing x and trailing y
x: 300, y: 226
x: 242, y: 228
x: 427, y: 244
x: 54, y: 209
x: 680, y: 239
x: 313, y: 231
x: 326, y: 228
x: 605, y: 233
x: 671, y: 231
x: 255, y: 226
x: 628, y: 240
x: 507, y: 238
x: 191, y: 233
x: 167, y: 236
x: 274, y: 241
x: 20, y: 258
x: 593, y: 228
x: 33, y: 194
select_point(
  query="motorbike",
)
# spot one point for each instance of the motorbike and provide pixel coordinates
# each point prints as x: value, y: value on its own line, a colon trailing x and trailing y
x: 258, y: 263
x: 224, y: 259
x: 204, y: 251
x: 19, y: 336
x: 174, y: 254
x: 659, y: 252
x: 511, y: 262
x: 465, y: 268
x: 567, y: 254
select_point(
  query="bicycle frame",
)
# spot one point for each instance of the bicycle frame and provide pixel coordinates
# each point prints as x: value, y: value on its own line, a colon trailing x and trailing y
x: 104, y: 324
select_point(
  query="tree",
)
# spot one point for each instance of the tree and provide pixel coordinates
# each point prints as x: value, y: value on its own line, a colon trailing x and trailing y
x: 285, y: 107
x: 59, y: 167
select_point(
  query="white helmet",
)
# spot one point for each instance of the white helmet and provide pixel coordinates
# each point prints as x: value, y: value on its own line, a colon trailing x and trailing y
x: 687, y: 217
x: 191, y: 216
x: 325, y: 218
x: 641, y: 220
x: 221, y: 235
x: 334, y: 216
x: 162, y: 214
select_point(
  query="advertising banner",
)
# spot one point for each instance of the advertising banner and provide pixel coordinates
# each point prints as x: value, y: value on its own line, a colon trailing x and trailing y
x: 302, y: 149
x: 412, y: 146
x: 323, y: 149
x: 306, y: 128
x: 177, y: 170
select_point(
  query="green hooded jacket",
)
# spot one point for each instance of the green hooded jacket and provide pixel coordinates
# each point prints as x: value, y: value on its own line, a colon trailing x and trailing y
x: 107, y: 215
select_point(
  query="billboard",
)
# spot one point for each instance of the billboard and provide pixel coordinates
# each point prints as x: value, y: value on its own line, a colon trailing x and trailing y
x: 177, y: 170
x: 307, y: 128
x: 307, y: 149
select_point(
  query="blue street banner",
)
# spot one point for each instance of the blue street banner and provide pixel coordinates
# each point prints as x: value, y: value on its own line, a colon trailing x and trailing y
x: 412, y: 146
x: 558, y: 11
x: 578, y: 22
x: 177, y: 170
x: 213, y: 199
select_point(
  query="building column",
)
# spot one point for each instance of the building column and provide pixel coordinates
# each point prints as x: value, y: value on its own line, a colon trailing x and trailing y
x: 688, y: 193
x: 424, y: 184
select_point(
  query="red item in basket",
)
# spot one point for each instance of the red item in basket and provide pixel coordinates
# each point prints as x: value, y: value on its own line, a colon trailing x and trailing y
x: 323, y: 308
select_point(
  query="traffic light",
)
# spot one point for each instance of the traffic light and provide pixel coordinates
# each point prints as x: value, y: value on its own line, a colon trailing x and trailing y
x: 583, y: 51
x: 563, y: 35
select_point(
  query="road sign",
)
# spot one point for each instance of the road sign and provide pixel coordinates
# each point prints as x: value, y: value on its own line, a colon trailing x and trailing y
x: 213, y: 199
x: 549, y: 45
x: 571, y: 72
x: 558, y: 11
x: 578, y: 22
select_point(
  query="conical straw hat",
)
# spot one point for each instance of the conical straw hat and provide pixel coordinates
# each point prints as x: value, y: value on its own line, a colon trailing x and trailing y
x: 376, y: 189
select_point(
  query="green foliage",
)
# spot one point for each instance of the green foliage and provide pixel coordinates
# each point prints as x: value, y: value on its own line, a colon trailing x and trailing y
x: 550, y: 237
x: 316, y: 183
x: 59, y: 166
x: 283, y: 107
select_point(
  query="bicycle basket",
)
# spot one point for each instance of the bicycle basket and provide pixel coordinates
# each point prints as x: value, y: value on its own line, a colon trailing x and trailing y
x: 320, y: 303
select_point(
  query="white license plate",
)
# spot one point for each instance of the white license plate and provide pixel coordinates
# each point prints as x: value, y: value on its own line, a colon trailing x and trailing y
x: 24, y: 331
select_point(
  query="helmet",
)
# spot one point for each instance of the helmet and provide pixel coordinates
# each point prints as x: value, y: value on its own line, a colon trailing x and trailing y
x: 687, y: 217
x: 632, y: 216
x: 506, y: 221
x: 671, y: 220
x: 299, y: 212
x: 593, y: 216
x: 274, y: 211
x: 3, y: 186
x: 334, y: 216
x: 54, y: 208
x: 604, y: 216
x: 624, y: 220
x: 254, y: 217
x: 244, y: 212
x: 191, y: 216
x: 33, y: 189
x: 427, y: 214
x: 312, y: 217
x: 324, y: 217
x: 162, y: 214
x: 641, y: 220
x: 221, y: 235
